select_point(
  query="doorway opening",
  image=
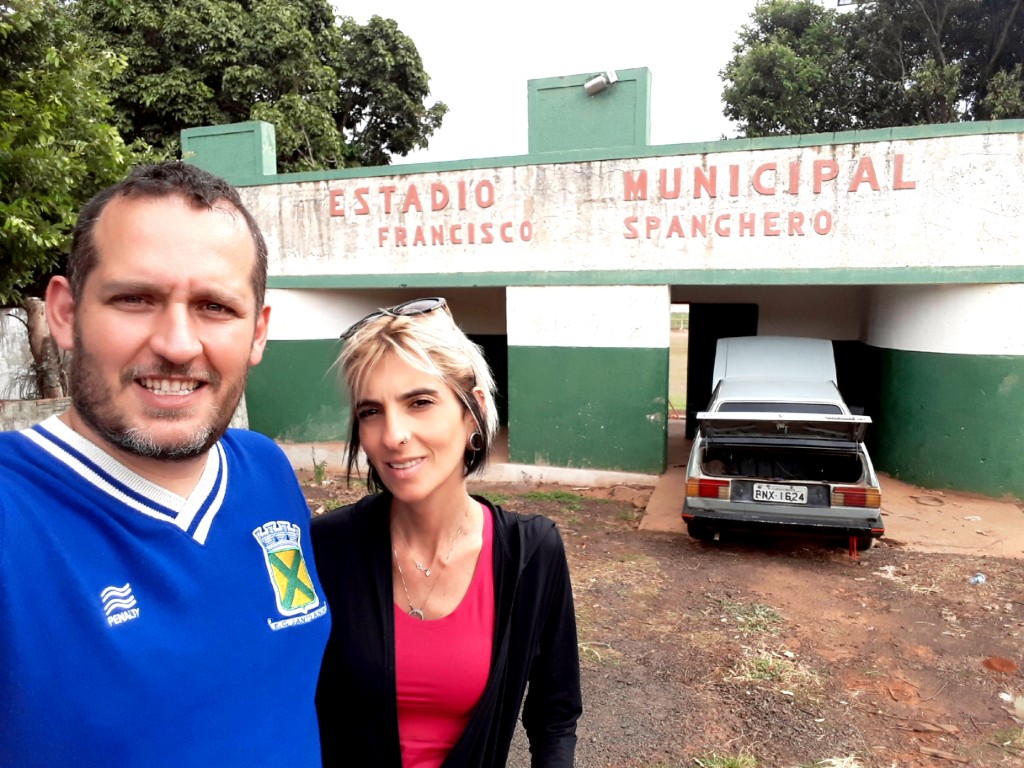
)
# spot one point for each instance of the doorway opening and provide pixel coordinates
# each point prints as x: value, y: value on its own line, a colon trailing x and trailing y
x: 679, y: 340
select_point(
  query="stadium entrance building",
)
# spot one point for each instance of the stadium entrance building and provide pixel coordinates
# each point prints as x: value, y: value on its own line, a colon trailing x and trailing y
x: 904, y: 246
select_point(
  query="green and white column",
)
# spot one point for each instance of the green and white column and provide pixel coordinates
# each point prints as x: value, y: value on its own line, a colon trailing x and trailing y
x: 952, y: 385
x: 588, y: 376
x: 293, y: 395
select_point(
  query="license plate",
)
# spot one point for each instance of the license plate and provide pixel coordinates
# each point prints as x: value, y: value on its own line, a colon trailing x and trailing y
x: 780, y: 494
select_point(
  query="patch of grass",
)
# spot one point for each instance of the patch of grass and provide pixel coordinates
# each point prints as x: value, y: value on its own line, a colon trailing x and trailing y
x: 715, y: 760
x: 1010, y: 738
x: 501, y: 499
x: 319, y: 469
x: 571, y: 501
x: 767, y: 666
x: 750, y: 617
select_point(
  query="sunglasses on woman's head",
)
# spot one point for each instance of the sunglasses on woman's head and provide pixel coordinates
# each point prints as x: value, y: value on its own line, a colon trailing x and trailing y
x: 405, y: 309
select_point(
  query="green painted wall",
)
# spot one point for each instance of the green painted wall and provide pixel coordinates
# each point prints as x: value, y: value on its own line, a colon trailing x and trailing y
x: 234, y: 151
x: 293, y: 395
x: 595, y: 408
x: 953, y: 421
x: 563, y: 117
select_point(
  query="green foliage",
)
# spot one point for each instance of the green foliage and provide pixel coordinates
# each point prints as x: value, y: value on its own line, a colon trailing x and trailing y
x: 799, y: 67
x: 782, y: 76
x: 384, y: 89
x: 319, y: 469
x: 338, y: 93
x: 1005, y: 97
x: 57, y: 144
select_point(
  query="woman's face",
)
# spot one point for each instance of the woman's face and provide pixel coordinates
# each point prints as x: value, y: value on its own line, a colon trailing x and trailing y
x: 400, y: 402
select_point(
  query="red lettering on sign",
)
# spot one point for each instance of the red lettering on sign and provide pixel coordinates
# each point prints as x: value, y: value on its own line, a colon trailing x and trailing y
x: 412, y: 200
x: 336, y: 202
x: 438, y: 197
x: 758, y: 183
x: 864, y: 173
x: 673, y: 192
x: 796, y: 223
x: 635, y: 188
x: 898, y: 182
x: 362, y: 206
x: 630, y: 223
x: 705, y: 181
x: 824, y: 170
x: 387, y: 190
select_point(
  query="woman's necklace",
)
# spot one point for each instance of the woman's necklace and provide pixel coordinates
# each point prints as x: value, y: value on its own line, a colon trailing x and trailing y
x: 425, y: 570
x: 418, y: 613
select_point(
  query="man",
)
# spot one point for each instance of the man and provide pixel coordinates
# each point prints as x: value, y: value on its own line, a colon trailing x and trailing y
x: 158, y: 602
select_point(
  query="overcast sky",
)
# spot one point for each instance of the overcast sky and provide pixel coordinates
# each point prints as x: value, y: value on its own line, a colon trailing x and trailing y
x: 480, y: 56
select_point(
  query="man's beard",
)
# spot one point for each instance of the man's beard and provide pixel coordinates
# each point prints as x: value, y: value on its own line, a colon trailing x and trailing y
x: 92, y: 400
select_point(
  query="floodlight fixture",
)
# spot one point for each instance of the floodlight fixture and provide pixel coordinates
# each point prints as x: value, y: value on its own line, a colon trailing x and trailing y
x: 600, y: 82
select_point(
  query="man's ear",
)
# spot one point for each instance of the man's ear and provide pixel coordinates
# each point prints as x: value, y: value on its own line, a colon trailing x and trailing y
x: 259, y: 339
x: 60, y: 312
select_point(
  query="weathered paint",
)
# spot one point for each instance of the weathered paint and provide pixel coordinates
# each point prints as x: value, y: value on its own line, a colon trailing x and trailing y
x: 953, y: 421
x: 922, y: 208
x: 589, y: 407
x: 885, y: 205
x: 293, y: 394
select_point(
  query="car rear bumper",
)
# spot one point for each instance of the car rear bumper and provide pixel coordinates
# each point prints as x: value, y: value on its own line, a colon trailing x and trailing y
x: 846, y: 520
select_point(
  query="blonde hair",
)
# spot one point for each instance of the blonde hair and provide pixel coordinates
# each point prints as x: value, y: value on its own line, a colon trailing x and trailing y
x: 431, y: 343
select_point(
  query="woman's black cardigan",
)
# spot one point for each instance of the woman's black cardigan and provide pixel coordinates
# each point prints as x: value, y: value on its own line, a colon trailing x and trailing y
x: 535, y: 651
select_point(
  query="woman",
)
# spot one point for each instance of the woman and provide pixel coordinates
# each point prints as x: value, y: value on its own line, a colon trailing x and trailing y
x: 445, y: 607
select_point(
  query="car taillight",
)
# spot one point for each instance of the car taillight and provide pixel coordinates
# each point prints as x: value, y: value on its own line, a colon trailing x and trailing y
x: 854, y: 496
x: 708, y: 489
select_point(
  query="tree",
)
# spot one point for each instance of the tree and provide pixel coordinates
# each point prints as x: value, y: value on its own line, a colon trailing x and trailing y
x: 787, y: 71
x: 383, y: 91
x: 338, y: 93
x: 798, y: 67
x: 57, y: 144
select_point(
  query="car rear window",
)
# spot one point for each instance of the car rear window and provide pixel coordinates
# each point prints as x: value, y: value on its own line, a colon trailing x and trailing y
x: 738, y: 406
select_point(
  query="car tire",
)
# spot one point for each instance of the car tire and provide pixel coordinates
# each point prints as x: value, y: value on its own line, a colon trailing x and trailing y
x: 700, y: 531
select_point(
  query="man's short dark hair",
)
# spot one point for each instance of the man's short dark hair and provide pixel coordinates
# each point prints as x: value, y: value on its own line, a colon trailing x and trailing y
x: 199, y: 188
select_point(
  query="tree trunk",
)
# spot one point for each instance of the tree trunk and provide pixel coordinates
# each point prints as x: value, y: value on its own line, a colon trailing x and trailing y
x: 49, y: 380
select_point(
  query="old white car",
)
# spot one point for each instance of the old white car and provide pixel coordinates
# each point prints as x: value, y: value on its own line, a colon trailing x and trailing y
x: 778, y: 449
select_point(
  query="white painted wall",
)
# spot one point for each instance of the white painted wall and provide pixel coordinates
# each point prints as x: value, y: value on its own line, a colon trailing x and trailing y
x: 957, y: 319
x: 822, y: 311
x: 305, y: 314
x: 617, y: 316
x: 946, y: 202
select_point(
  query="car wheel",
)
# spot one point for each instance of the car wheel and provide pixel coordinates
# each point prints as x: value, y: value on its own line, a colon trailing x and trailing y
x: 700, y: 531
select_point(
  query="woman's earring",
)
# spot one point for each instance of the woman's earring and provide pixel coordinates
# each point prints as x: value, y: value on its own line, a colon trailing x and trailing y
x: 476, y: 442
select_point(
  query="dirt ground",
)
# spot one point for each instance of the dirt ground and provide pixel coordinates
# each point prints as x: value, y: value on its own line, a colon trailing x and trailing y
x: 787, y: 651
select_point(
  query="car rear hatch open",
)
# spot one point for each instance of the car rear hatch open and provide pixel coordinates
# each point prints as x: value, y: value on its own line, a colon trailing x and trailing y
x: 784, y: 428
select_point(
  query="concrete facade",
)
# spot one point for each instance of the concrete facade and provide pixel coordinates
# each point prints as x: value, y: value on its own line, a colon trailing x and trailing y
x: 904, y: 246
